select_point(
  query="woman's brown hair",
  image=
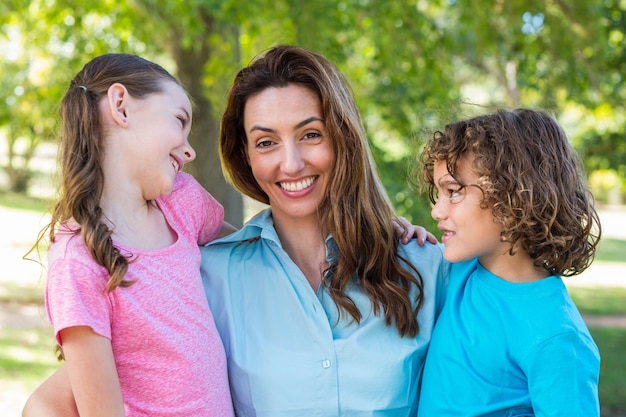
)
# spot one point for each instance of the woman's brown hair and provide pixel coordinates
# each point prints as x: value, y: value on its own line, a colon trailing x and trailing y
x: 356, y: 210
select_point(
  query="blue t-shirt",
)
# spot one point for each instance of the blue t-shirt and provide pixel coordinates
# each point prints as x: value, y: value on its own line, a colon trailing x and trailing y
x: 291, y: 354
x: 509, y: 349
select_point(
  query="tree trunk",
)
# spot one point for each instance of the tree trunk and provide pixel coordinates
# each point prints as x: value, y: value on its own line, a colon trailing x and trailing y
x: 204, y: 133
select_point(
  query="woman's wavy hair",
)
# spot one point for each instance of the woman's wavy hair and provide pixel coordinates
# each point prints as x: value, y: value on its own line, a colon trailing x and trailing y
x: 81, y: 152
x: 356, y: 209
x: 532, y: 179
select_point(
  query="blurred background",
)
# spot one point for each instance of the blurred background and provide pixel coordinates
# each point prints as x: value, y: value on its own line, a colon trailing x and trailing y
x: 413, y: 64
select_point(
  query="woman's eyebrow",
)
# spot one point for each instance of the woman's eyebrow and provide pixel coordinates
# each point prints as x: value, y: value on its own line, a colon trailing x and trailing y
x: 261, y: 128
x: 307, y: 121
x: 297, y: 126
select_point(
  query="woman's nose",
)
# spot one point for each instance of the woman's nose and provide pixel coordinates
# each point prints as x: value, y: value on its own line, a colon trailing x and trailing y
x: 293, y: 160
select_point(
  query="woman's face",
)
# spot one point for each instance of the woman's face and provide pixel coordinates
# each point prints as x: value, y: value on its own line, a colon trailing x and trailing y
x: 289, y: 150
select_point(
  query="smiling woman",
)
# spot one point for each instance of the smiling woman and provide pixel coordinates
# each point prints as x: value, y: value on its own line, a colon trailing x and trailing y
x: 321, y: 309
x: 290, y: 154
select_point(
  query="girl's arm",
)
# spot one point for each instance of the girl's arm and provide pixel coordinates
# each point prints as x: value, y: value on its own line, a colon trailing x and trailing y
x: 53, y: 398
x: 92, y: 372
x: 226, y: 229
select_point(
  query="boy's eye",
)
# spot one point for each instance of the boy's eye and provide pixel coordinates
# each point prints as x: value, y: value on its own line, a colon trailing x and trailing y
x: 452, y: 195
x: 455, y: 195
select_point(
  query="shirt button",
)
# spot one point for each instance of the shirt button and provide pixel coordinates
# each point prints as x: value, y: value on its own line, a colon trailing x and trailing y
x: 326, y: 364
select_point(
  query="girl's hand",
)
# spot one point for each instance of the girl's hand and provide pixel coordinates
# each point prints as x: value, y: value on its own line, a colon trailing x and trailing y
x: 407, y: 231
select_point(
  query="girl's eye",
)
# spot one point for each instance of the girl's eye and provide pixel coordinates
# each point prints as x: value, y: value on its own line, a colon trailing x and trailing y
x: 183, y: 121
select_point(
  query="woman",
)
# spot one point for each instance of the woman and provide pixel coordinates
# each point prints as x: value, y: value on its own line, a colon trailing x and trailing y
x: 321, y: 310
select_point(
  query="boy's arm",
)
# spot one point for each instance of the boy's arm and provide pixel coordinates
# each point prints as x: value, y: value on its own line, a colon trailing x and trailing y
x: 563, y: 377
x: 92, y: 372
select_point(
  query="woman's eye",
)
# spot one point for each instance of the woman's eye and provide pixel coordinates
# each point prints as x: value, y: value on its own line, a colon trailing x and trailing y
x: 264, y: 143
x: 312, y: 135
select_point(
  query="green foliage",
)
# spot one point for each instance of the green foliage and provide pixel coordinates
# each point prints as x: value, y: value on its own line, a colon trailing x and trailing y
x: 406, y: 60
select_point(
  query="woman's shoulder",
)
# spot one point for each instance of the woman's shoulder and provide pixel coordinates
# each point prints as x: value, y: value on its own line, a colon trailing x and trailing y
x: 426, y: 253
x: 428, y: 260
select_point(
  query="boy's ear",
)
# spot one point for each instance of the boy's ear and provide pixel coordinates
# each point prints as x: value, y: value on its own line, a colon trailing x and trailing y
x: 117, y: 100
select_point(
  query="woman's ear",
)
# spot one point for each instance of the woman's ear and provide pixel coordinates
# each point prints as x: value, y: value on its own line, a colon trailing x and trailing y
x: 117, y: 100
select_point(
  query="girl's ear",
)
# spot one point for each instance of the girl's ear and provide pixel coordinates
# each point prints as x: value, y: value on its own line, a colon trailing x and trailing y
x: 117, y: 100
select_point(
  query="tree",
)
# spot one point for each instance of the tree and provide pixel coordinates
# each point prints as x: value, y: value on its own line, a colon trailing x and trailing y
x: 411, y: 63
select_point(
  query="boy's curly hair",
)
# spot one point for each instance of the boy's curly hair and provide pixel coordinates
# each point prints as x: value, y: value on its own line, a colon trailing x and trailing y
x: 531, y: 178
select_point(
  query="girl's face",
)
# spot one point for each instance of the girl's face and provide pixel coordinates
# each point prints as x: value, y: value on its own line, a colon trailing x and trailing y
x: 469, y: 231
x: 159, y: 127
x: 289, y: 150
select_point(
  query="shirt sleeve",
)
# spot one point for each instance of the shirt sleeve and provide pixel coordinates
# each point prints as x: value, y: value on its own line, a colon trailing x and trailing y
x: 563, y: 376
x: 443, y: 280
x: 192, y: 207
x: 76, y: 296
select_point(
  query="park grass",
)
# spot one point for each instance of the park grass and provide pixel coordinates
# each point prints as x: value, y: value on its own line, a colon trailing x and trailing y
x: 27, y: 355
x: 612, y: 386
x: 611, y: 250
x: 599, y: 301
x: 19, y: 201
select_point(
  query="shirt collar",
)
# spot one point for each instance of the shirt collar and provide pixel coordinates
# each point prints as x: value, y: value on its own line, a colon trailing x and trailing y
x: 261, y: 226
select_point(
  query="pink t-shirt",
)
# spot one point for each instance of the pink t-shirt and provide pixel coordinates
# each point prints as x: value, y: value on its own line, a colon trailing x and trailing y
x: 169, y: 356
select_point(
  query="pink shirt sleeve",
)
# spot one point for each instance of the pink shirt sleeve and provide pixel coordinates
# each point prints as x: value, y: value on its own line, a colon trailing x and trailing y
x: 75, y: 290
x: 194, y: 207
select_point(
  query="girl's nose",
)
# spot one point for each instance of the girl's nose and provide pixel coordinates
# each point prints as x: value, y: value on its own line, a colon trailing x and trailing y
x: 189, y: 152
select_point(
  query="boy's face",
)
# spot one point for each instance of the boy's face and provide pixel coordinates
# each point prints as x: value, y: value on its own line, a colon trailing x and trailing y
x: 469, y: 231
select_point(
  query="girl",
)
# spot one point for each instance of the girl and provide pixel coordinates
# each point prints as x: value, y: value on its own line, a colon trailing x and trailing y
x: 124, y: 292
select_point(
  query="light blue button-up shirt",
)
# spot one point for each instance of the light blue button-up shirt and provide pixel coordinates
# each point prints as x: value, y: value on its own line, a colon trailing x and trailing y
x: 289, y: 351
